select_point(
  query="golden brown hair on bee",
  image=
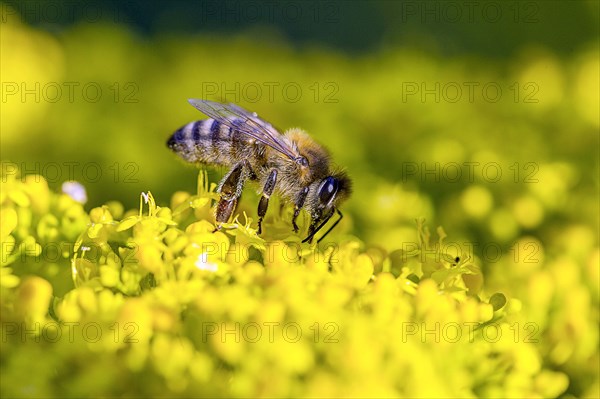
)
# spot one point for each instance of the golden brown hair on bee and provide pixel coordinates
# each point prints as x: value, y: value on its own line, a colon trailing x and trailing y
x: 316, y: 155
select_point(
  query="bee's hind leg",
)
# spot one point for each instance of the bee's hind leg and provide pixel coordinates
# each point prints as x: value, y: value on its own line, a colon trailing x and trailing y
x: 264, y: 200
x: 230, y: 190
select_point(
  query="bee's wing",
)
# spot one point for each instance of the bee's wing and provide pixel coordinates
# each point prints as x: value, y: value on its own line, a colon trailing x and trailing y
x: 247, y: 123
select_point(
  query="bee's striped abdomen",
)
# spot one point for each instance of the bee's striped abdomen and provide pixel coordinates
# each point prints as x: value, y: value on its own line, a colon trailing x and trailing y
x: 205, y: 141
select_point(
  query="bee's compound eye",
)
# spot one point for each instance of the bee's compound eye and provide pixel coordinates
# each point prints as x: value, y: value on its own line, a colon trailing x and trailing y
x: 329, y: 187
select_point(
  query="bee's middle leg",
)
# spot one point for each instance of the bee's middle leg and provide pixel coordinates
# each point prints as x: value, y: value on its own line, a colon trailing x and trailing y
x: 264, y: 200
x: 230, y: 190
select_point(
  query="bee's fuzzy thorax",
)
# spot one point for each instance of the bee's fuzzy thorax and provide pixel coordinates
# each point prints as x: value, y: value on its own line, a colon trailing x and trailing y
x: 317, y: 155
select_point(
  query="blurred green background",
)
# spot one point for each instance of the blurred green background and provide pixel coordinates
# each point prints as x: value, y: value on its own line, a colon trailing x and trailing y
x: 481, y: 117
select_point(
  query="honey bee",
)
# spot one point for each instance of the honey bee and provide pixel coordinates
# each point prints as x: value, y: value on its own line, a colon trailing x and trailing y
x: 291, y: 164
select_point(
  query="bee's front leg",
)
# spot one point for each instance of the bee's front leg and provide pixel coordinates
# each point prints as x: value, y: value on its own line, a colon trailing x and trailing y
x: 298, y: 206
x: 230, y: 190
x: 312, y: 229
x: 264, y: 200
x: 318, y: 222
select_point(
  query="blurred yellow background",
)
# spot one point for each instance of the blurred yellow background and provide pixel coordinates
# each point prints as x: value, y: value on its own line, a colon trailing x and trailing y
x: 498, y: 146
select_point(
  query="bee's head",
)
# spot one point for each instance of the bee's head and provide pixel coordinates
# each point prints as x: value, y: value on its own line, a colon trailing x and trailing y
x: 324, y: 198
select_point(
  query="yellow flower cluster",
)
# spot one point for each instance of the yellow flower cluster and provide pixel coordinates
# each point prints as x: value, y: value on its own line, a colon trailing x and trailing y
x: 157, y: 302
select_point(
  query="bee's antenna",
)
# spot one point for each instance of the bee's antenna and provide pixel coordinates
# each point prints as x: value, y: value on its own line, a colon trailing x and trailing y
x: 331, y: 228
x: 310, y: 237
